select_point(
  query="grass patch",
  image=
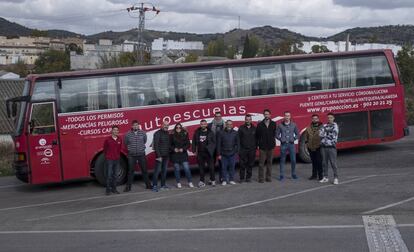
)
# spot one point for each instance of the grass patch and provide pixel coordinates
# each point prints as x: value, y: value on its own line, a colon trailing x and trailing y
x: 6, y: 159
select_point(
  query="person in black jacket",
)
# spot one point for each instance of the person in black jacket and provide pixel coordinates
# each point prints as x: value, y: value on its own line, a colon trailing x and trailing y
x: 204, y: 145
x: 161, y: 147
x: 265, y: 135
x: 248, y: 146
x: 228, y: 146
x: 216, y: 126
x: 179, y: 156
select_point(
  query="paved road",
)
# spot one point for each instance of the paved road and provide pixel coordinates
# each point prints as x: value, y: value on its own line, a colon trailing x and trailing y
x: 279, y: 216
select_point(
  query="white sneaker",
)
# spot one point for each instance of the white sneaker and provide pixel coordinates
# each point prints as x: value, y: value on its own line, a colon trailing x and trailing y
x: 224, y: 183
x: 201, y: 184
x: 232, y: 183
x: 190, y: 185
x: 324, y: 180
x: 179, y: 185
x: 336, y: 182
x: 213, y: 183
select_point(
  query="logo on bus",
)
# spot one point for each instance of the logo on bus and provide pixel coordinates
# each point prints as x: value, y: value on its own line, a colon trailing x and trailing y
x: 48, y: 153
x: 42, y: 141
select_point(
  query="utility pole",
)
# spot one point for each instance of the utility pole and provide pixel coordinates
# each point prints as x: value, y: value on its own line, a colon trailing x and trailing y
x: 140, y: 10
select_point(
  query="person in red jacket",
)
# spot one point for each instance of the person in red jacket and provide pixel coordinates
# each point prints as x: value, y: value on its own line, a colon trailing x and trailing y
x: 112, y: 152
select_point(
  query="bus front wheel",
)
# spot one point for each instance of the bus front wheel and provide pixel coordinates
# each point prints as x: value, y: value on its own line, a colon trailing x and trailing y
x: 100, y: 174
x: 303, y: 151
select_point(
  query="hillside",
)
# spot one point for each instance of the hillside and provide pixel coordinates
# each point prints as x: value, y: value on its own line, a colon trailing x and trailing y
x: 390, y: 34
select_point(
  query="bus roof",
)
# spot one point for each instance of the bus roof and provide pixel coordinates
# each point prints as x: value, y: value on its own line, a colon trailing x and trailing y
x: 150, y: 68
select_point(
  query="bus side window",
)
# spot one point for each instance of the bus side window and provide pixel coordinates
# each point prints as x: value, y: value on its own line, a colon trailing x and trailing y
x: 42, y: 120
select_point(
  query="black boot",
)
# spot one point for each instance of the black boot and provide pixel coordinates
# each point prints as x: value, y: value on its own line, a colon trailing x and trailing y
x: 127, y: 188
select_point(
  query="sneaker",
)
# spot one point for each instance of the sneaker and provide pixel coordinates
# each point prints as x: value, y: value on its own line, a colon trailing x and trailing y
x: 179, y: 185
x: 201, y: 184
x: 281, y: 178
x: 190, y: 185
x: 223, y: 183
x: 114, y: 191
x: 108, y: 192
x: 232, y: 183
x: 155, y: 189
x: 294, y: 176
x: 324, y: 180
x: 336, y: 182
x: 213, y: 183
x: 165, y: 188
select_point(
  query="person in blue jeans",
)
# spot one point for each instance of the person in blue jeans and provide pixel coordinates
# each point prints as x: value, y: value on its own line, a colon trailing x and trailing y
x: 287, y: 133
x: 227, y: 146
x: 161, y: 147
x: 180, y: 142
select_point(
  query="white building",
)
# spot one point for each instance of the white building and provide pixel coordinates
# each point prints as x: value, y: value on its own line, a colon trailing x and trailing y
x: 93, y: 53
x: 160, y: 44
x: 340, y: 46
x: 26, y: 49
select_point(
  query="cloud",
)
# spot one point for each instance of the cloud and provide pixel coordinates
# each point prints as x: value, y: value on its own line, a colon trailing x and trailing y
x: 376, y: 4
x: 312, y: 17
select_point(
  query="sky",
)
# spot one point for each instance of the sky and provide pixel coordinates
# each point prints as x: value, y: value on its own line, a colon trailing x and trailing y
x: 319, y: 18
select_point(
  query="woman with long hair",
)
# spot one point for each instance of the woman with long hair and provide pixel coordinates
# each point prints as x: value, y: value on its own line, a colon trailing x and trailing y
x: 180, y: 143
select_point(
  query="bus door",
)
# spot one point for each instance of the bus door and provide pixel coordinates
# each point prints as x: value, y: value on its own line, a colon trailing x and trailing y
x: 44, y: 146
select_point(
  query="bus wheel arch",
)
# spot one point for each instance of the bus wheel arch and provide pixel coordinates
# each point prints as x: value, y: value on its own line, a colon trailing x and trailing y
x: 303, y: 150
x: 98, y: 169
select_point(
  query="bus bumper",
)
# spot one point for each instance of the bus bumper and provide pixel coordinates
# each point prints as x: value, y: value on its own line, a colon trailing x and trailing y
x: 21, y: 171
x: 406, y: 131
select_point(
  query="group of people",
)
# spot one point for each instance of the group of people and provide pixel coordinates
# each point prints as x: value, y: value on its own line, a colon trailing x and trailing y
x: 219, y: 143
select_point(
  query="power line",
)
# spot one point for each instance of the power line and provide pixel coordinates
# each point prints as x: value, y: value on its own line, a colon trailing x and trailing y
x: 141, y: 9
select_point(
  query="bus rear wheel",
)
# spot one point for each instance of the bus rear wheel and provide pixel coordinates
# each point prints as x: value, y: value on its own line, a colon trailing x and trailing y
x: 303, y: 151
x: 100, y: 173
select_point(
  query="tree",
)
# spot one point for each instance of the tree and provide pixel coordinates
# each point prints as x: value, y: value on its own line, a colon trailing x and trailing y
x: 319, y: 49
x: 52, y: 61
x: 72, y: 47
x: 231, y: 52
x: 19, y: 68
x: 124, y: 59
x: 191, y: 57
x: 405, y: 61
x: 38, y: 33
x: 216, y: 48
x: 250, y: 47
x: 288, y: 47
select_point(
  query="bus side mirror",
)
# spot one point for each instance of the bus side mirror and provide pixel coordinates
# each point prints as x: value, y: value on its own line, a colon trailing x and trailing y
x: 14, y: 109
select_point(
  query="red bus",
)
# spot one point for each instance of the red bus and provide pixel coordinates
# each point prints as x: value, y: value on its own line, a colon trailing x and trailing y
x: 63, y: 118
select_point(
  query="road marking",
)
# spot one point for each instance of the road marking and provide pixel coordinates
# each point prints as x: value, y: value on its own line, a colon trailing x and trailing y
x: 9, y: 186
x: 278, y: 197
x: 69, y: 201
x: 382, y: 234
x: 121, y: 205
x: 190, y: 229
x: 185, y: 229
x: 388, y: 206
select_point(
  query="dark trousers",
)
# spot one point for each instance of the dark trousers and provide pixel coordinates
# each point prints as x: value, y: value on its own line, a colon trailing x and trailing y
x: 316, y: 157
x: 111, y: 172
x: 160, y: 167
x: 265, y: 156
x: 205, y: 160
x: 247, y: 158
x: 132, y: 163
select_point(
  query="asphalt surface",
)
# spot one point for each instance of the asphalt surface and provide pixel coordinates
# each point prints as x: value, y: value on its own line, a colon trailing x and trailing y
x: 293, y: 215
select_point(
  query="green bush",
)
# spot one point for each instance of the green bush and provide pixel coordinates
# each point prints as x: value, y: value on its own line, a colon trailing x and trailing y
x: 6, y: 159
